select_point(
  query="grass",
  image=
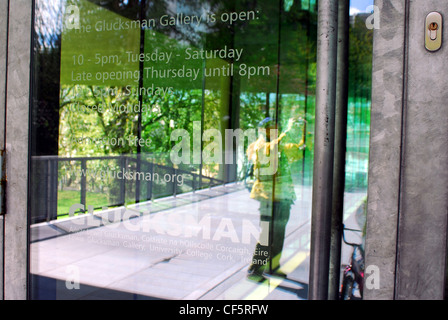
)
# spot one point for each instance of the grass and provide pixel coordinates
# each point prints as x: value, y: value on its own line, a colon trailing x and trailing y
x: 67, y: 198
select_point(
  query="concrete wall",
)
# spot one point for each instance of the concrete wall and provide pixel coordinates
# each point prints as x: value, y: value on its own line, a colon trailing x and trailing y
x: 17, y: 128
x: 3, y: 41
x: 424, y: 193
x: 385, y: 145
x: 408, y: 177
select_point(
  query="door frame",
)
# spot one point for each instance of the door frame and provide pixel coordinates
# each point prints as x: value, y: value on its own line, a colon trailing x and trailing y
x: 15, y: 116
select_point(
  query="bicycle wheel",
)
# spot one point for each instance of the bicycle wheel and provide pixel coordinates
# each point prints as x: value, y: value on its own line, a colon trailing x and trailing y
x: 347, y: 288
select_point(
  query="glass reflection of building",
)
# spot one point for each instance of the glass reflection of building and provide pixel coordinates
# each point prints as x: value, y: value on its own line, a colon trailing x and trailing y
x: 89, y: 132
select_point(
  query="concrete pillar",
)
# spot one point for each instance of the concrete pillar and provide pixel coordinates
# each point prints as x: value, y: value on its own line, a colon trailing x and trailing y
x: 17, y: 128
x: 408, y: 177
x: 3, y: 45
x: 385, y: 145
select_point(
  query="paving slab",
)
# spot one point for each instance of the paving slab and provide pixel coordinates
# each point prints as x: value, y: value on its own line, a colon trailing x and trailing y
x: 196, y: 247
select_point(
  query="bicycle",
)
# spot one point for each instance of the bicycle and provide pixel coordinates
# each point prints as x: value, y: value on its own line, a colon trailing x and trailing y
x: 354, y: 272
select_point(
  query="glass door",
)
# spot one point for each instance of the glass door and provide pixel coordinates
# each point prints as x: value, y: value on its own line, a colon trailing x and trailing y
x: 172, y: 148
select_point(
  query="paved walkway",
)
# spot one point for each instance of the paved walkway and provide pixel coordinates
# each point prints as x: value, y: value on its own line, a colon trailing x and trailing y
x: 194, y: 246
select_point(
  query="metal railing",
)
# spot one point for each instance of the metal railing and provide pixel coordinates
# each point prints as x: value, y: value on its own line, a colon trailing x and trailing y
x: 105, y: 181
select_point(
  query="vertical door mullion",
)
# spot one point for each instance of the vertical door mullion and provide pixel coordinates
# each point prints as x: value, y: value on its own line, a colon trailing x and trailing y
x: 339, y: 148
x: 323, y: 149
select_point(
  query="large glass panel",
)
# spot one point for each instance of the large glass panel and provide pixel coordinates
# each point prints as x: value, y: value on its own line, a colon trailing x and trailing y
x: 357, y: 156
x: 172, y: 149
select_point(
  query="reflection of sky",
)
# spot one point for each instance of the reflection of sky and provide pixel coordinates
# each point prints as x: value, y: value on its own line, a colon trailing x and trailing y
x: 48, y: 18
x: 357, y: 6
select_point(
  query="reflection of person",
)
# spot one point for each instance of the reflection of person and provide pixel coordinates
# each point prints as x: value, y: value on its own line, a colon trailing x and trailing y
x: 275, y: 192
